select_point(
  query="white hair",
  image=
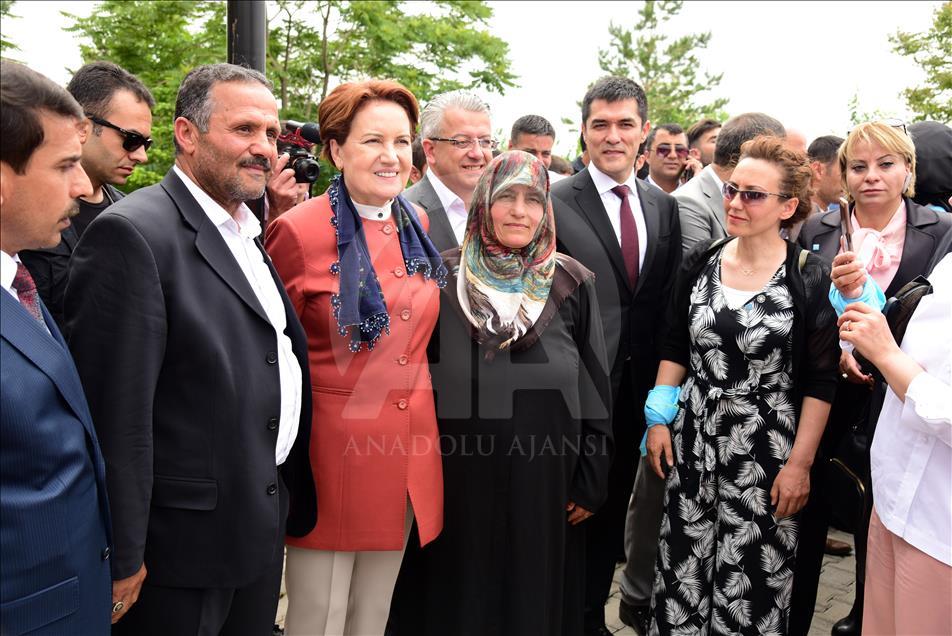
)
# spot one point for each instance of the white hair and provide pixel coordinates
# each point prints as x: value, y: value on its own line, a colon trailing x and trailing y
x: 431, y: 119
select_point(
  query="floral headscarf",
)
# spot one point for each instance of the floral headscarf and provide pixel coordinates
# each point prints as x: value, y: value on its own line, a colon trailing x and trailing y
x: 502, y: 290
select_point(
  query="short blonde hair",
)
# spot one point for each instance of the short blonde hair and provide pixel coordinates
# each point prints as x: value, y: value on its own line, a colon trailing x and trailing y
x: 892, y: 139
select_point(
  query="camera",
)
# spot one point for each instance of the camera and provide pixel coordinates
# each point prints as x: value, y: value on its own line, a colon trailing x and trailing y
x: 297, y: 141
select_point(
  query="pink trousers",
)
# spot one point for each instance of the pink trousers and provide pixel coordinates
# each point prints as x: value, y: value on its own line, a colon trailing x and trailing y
x: 907, y: 591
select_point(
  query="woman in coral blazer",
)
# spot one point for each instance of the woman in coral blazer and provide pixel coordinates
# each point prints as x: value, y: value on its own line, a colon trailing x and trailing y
x: 363, y: 277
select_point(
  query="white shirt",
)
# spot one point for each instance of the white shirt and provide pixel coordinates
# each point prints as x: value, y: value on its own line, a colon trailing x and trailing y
x: 612, y: 204
x: 651, y: 181
x: 372, y: 212
x: 8, y: 271
x: 911, y: 455
x: 455, y: 209
x: 240, y: 237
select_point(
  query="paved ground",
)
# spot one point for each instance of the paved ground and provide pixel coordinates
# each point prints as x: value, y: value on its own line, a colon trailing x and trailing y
x: 833, y: 601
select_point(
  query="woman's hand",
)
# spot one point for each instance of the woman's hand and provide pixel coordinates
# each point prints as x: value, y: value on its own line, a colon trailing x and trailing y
x: 867, y: 330
x: 848, y: 273
x: 658, y: 444
x: 577, y: 514
x: 849, y: 368
x: 790, y: 490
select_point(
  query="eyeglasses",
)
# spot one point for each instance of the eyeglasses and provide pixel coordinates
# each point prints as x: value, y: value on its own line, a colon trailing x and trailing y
x: 898, y: 124
x: 131, y: 140
x: 664, y: 150
x: 748, y: 196
x: 465, y: 143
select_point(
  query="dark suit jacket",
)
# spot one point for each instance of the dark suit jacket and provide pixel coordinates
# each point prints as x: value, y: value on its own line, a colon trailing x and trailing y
x: 441, y: 232
x: 632, y: 318
x: 50, y: 267
x: 54, y: 516
x: 180, y: 366
x: 925, y: 228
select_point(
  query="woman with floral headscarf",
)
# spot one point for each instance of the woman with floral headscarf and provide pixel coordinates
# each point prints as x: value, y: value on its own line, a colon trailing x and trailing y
x: 521, y: 381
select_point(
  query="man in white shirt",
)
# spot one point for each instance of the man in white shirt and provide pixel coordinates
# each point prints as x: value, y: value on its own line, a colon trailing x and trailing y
x: 457, y: 140
x: 54, y: 519
x: 197, y: 364
x: 627, y: 232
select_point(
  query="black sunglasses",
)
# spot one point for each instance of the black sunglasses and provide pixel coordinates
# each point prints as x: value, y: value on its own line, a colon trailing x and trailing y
x: 747, y: 196
x: 131, y: 140
x: 664, y: 150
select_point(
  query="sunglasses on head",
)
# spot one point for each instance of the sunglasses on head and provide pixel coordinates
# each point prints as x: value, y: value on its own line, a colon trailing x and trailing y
x: 131, y: 140
x: 664, y: 150
x: 898, y: 124
x: 748, y: 196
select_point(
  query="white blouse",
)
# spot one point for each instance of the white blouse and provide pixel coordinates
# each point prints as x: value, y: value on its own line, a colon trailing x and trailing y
x: 911, y: 455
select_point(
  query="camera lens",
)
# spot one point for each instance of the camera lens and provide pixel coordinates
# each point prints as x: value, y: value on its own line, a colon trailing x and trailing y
x: 306, y: 170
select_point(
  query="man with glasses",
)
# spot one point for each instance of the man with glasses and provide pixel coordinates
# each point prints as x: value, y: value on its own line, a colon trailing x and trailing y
x: 667, y: 156
x: 457, y: 140
x: 118, y: 125
x: 701, y: 200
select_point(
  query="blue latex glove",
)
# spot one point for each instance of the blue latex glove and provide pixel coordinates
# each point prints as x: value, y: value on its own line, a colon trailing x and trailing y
x: 872, y: 295
x: 661, y: 407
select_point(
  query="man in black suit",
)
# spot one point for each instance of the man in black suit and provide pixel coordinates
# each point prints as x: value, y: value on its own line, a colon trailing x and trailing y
x: 457, y: 140
x: 628, y: 233
x: 117, y: 126
x: 196, y: 370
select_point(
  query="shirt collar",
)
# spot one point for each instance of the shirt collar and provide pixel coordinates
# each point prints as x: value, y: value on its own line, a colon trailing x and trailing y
x: 710, y: 170
x: 246, y: 224
x: 604, y: 183
x: 8, y: 270
x: 447, y: 197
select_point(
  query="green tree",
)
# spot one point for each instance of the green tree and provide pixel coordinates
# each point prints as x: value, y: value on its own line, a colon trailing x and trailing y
x: 312, y: 46
x: 5, y: 17
x: 168, y: 39
x: 932, y: 50
x: 667, y: 68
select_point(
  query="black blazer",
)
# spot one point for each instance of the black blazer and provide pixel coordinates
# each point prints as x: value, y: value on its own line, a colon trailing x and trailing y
x: 924, y: 229
x: 632, y: 318
x: 441, y: 232
x: 180, y: 368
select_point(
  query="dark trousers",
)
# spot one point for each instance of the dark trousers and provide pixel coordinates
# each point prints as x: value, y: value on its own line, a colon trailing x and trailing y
x: 244, y: 611
x: 605, y: 531
x: 811, y: 544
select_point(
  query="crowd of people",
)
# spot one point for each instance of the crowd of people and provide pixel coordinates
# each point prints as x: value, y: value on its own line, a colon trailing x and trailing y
x: 454, y: 408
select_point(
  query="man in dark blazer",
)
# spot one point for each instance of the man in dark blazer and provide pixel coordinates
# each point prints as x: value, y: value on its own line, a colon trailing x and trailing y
x: 196, y: 369
x: 107, y: 93
x: 457, y: 139
x: 54, y: 516
x: 628, y: 233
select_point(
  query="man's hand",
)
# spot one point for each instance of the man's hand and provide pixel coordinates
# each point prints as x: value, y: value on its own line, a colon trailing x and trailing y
x: 283, y: 191
x: 127, y: 590
x: 577, y: 514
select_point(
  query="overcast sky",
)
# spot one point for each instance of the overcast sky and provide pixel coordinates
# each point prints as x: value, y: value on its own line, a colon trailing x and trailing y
x: 798, y: 61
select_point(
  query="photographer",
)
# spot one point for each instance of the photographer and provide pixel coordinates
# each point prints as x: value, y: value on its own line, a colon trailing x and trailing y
x: 294, y: 171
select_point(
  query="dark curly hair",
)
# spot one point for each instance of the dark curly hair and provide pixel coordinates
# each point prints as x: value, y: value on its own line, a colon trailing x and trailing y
x: 795, y: 172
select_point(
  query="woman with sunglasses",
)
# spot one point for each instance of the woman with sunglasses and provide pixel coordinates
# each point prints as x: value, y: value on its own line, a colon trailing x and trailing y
x: 748, y: 371
x: 520, y: 374
x: 363, y: 277
x: 893, y: 241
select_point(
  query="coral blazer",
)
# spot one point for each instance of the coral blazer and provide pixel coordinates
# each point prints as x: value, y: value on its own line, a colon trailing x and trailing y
x: 374, y: 438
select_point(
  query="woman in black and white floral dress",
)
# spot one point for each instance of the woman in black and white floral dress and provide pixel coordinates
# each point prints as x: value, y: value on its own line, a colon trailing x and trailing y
x: 753, y: 338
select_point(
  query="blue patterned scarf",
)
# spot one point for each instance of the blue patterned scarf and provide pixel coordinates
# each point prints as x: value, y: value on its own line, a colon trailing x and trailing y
x: 360, y: 305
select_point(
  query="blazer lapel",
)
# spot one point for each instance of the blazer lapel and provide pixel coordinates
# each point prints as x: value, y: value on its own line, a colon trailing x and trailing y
x: 47, y: 351
x: 441, y: 232
x: 917, y: 249
x: 715, y: 198
x: 589, y: 203
x: 210, y: 244
x: 649, y: 208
